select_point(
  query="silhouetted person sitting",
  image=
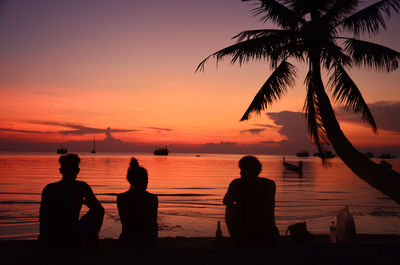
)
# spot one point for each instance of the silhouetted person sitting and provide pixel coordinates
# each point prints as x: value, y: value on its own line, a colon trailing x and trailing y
x: 137, y: 210
x: 250, y: 206
x: 60, y: 227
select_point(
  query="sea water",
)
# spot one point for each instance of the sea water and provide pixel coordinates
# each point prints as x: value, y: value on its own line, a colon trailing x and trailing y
x: 190, y: 189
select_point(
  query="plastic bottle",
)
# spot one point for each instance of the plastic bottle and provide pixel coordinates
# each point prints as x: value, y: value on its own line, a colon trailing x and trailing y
x: 218, y: 233
x: 332, y: 233
x: 345, y: 226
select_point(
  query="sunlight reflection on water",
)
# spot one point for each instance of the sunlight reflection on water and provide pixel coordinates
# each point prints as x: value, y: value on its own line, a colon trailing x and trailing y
x: 190, y: 192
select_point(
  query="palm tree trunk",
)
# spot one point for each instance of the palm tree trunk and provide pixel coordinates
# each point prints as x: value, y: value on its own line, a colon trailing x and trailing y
x: 385, y: 180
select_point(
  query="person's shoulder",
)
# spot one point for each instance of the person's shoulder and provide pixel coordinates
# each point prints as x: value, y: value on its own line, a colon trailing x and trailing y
x: 266, y: 181
x: 151, y: 195
x: 51, y: 186
x: 123, y: 194
x: 236, y: 181
x: 81, y: 183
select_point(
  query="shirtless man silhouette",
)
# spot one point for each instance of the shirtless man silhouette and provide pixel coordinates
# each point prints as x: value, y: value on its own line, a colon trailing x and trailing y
x: 60, y: 227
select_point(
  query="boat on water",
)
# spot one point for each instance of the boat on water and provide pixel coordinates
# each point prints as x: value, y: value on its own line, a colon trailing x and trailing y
x: 291, y: 167
x: 326, y: 154
x: 161, y: 151
x: 62, y: 151
x: 369, y: 154
x: 387, y: 156
x: 94, y: 146
x: 303, y: 154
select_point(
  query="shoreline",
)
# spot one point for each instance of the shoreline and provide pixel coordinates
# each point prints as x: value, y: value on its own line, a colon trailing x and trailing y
x: 368, y: 249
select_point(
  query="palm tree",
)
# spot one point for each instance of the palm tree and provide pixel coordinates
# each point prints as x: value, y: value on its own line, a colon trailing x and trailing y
x: 309, y: 32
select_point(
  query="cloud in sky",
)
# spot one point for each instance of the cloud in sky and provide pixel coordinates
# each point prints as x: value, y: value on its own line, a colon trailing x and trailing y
x: 386, y: 114
x: 253, y: 130
x: 21, y: 131
x: 160, y: 129
x: 293, y: 126
x: 78, y: 129
x: 221, y: 147
x: 266, y: 125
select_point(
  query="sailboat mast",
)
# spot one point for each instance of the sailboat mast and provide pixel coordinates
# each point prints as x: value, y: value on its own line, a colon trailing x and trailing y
x: 94, y: 145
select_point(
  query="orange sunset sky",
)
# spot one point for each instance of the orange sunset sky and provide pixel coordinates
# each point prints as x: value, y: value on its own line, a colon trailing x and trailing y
x: 71, y: 69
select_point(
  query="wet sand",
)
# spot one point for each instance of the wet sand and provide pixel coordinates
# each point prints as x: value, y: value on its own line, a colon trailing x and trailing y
x: 369, y: 249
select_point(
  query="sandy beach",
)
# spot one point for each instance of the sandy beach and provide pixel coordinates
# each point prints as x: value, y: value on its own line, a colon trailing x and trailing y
x: 369, y: 249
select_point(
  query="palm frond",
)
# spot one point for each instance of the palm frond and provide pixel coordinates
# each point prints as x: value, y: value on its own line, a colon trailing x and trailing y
x: 254, y: 49
x: 251, y: 34
x: 289, y: 47
x: 273, y: 89
x: 307, y: 6
x: 331, y: 52
x: 347, y: 93
x: 277, y: 12
x: 339, y: 10
x: 316, y: 129
x: 371, y: 18
x: 372, y: 55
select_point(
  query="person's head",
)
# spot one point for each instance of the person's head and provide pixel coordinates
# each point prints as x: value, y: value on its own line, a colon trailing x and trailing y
x: 134, y: 163
x: 138, y: 178
x: 250, y: 167
x: 69, y: 166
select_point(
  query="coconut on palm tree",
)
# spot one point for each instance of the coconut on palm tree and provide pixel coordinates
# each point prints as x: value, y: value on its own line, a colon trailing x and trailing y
x: 310, y: 32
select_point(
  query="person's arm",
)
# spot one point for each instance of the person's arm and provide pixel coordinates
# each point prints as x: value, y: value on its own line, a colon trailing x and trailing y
x: 228, y: 198
x: 273, y: 191
x: 121, y: 210
x: 44, y: 212
x: 90, y: 199
x: 155, y: 214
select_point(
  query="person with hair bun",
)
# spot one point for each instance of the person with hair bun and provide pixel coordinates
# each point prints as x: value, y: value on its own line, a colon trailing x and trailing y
x: 250, y: 206
x: 137, y: 210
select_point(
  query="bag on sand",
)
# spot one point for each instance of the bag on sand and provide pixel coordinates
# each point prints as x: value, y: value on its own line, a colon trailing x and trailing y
x: 299, y: 232
x: 345, y: 227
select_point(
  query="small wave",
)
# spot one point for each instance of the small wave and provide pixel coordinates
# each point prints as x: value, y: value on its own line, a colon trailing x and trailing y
x: 185, y: 194
x: 163, y: 194
x: 383, y: 213
x: 107, y: 194
x: 200, y: 204
x: 19, y: 202
x: 191, y: 188
x: 335, y: 192
x: 20, y: 193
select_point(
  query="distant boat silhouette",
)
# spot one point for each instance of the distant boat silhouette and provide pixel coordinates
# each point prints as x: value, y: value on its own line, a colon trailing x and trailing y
x: 291, y: 167
x: 386, y: 155
x: 94, y: 146
x: 161, y: 151
x: 369, y: 154
x: 303, y: 154
x: 326, y: 154
x: 62, y: 151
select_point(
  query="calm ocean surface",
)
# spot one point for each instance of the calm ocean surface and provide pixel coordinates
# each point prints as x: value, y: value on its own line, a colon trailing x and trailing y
x: 190, y: 191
